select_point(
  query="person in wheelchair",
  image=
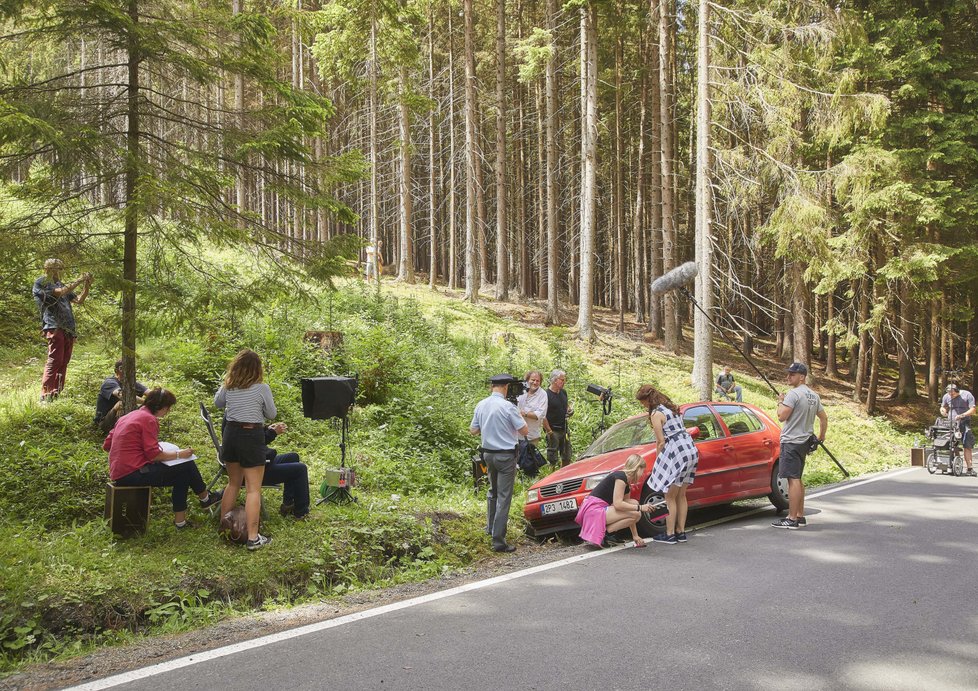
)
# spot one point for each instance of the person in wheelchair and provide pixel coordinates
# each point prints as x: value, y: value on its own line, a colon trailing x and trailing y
x: 960, y: 405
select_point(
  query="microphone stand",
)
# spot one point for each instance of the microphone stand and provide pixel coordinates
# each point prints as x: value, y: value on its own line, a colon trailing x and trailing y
x: 685, y: 291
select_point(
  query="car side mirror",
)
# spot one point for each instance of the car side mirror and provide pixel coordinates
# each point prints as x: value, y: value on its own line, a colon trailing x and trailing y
x: 694, y: 432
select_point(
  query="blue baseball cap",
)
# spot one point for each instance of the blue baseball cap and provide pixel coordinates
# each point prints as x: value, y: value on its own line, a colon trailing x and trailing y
x: 797, y: 368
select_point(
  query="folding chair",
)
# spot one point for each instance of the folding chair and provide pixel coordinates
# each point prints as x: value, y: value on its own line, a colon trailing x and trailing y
x: 221, y: 470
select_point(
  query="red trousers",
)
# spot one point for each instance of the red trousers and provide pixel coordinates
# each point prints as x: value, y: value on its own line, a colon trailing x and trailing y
x: 60, y: 345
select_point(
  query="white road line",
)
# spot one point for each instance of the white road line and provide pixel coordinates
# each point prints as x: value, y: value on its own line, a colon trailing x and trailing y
x: 196, y: 658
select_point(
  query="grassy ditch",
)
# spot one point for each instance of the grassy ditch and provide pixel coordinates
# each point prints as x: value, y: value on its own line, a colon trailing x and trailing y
x: 422, y: 360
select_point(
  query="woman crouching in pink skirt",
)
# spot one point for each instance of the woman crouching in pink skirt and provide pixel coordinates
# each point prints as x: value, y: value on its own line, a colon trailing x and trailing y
x: 609, y: 508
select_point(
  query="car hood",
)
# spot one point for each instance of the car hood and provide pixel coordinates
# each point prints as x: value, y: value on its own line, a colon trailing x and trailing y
x: 604, y: 463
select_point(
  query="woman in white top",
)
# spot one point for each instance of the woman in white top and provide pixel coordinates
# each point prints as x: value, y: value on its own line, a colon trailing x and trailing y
x: 247, y: 401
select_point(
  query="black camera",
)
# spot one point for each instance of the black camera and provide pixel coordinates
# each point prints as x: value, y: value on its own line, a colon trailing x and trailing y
x: 515, y: 389
x: 601, y: 392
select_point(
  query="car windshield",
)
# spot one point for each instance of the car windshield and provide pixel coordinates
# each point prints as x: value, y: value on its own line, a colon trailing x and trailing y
x: 624, y: 435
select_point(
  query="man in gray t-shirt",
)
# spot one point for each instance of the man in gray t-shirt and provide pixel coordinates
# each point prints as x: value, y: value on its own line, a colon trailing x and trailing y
x: 797, y: 410
x: 961, y: 406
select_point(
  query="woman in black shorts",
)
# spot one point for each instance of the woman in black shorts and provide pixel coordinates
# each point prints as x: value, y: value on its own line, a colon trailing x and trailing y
x: 247, y: 401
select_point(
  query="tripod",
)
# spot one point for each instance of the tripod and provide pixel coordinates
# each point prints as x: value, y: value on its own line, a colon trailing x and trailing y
x: 338, y: 483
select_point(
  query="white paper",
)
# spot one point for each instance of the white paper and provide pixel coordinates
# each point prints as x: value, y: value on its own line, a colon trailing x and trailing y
x: 170, y: 448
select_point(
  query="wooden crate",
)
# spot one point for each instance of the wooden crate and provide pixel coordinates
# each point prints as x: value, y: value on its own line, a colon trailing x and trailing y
x: 917, y: 456
x: 127, y: 508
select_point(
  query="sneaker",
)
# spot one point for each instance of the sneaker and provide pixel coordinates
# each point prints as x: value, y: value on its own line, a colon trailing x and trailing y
x: 970, y: 472
x: 184, y: 526
x: 664, y: 539
x: 287, y: 509
x: 212, y: 498
x: 785, y: 523
x: 681, y: 537
x: 802, y: 522
x: 258, y: 542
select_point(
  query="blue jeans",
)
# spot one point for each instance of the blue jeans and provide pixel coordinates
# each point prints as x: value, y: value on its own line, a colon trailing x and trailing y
x: 294, y: 478
x: 180, y: 477
x: 502, y: 476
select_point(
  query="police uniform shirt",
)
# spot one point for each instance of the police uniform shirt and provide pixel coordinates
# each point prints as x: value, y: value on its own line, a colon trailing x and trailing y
x: 498, y: 421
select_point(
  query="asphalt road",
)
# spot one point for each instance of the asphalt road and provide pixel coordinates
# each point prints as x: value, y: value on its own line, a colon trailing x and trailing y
x: 878, y: 592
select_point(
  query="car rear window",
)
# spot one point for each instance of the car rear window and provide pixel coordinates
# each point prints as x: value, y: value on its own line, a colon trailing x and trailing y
x: 739, y: 420
x: 701, y: 416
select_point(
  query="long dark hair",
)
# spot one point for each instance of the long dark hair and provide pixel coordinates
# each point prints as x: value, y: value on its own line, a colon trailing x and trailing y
x: 157, y: 399
x: 648, y: 394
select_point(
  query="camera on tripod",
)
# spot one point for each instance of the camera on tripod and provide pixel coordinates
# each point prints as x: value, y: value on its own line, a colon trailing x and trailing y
x: 601, y: 392
x: 604, y: 395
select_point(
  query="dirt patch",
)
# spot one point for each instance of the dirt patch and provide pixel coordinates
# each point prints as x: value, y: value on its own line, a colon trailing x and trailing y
x: 109, y: 661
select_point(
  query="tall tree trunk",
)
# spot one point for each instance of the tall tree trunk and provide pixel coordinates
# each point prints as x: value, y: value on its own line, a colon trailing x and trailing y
x: 131, y: 213
x: 864, y: 346
x: 452, y: 212
x: 907, y: 379
x: 800, y: 346
x: 434, y: 122
x: 619, y: 186
x: 240, y: 183
x: 502, y: 256
x: 374, y: 157
x: 589, y: 135
x: 667, y: 58
x: 405, y: 269
x: 471, y: 158
x: 703, y: 340
x: 553, y: 304
x: 638, y: 284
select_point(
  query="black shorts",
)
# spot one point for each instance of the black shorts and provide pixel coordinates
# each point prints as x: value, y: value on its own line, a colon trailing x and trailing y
x: 792, y: 463
x: 244, y: 446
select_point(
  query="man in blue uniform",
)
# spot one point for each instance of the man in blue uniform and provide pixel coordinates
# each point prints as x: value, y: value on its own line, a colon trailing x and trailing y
x: 500, y: 425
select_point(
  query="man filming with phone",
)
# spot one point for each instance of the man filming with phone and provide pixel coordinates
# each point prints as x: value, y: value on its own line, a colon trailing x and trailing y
x: 500, y: 425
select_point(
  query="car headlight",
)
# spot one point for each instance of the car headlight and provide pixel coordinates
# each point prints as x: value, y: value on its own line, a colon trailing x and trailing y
x: 532, y: 495
x: 592, y: 482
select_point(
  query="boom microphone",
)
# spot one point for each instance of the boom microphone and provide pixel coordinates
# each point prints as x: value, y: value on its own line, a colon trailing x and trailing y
x: 676, y: 278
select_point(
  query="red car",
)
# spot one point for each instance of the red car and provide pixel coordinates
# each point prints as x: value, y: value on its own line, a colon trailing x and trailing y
x: 738, y: 445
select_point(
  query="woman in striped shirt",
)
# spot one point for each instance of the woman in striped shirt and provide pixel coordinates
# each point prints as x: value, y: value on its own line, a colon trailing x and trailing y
x: 247, y: 401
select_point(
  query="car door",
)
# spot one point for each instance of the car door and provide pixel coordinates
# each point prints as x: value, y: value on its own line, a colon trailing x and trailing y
x: 717, y: 468
x: 750, y: 444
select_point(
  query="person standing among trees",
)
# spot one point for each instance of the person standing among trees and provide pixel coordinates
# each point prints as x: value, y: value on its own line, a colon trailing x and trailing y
x: 247, y: 401
x: 962, y: 404
x: 726, y: 385
x: 54, y: 300
x: 555, y: 422
x: 797, y: 410
x: 500, y: 425
x: 675, y: 462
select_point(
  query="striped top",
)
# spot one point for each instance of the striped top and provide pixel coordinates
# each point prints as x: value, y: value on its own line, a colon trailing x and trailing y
x: 253, y: 404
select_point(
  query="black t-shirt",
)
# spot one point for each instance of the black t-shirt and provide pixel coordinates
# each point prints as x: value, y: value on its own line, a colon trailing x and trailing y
x: 557, y: 410
x: 105, y: 398
x: 606, y: 488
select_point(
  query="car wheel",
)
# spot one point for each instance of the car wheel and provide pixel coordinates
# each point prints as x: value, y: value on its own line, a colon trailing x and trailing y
x: 931, y: 463
x: 779, y: 490
x: 654, y: 523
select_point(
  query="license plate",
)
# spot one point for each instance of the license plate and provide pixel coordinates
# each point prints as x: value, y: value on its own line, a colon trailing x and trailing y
x: 559, y: 507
